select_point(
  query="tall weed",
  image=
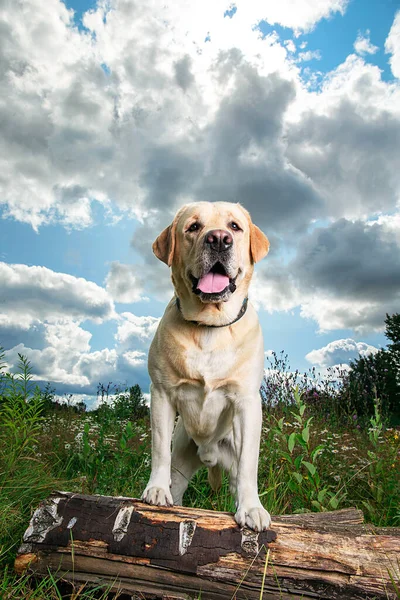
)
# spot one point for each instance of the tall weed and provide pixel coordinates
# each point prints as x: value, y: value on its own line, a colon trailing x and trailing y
x: 24, y: 474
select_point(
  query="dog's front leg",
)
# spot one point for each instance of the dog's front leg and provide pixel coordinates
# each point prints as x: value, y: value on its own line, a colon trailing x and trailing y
x: 162, y: 423
x: 247, y: 431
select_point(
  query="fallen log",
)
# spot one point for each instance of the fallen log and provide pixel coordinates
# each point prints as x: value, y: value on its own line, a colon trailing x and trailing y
x: 179, y: 552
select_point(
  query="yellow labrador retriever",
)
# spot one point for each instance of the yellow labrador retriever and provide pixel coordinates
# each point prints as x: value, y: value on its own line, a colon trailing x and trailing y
x: 206, y: 360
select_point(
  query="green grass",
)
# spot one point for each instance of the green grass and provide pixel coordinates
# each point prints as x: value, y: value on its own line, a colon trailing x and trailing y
x: 306, y: 464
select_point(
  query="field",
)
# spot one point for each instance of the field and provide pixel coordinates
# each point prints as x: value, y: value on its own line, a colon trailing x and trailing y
x: 310, y: 460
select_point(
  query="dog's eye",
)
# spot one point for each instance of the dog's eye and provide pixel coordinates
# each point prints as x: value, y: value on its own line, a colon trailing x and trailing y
x: 234, y: 226
x: 194, y: 227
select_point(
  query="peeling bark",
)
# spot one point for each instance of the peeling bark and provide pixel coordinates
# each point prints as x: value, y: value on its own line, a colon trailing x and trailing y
x: 179, y: 551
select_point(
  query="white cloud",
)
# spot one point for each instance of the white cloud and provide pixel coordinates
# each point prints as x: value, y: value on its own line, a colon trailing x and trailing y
x: 124, y: 284
x: 339, y: 352
x: 74, y: 134
x: 67, y: 336
x: 345, y: 275
x: 332, y: 313
x: 290, y: 45
x: 173, y: 118
x: 54, y: 115
x: 135, y: 358
x: 392, y: 46
x: 66, y: 359
x: 98, y: 366
x: 302, y: 15
x: 30, y: 293
x: 345, y: 139
x: 390, y: 225
x: 309, y: 55
x: 69, y: 363
x: 133, y: 328
x: 273, y: 290
x: 363, y: 44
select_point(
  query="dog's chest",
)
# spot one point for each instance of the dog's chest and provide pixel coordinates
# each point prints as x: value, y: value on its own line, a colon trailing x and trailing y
x: 205, y: 400
x: 209, y: 366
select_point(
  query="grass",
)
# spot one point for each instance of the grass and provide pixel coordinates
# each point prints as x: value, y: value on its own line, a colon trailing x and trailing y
x: 307, y: 463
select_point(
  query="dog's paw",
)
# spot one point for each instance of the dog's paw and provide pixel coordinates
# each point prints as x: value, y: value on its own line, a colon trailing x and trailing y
x: 257, y: 518
x: 158, y: 496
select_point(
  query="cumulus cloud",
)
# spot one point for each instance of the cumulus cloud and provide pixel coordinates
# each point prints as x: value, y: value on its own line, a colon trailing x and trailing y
x: 392, y: 46
x: 58, y: 361
x: 132, y: 328
x: 363, y: 44
x: 352, y: 260
x: 153, y: 275
x: 54, y: 98
x: 12, y: 330
x: 45, y: 309
x: 172, y: 116
x: 339, y: 352
x: 303, y: 14
x: 246, y: 153
x: 135, y: 358
x: 65, y: 357
x: 309, y: 55
x: 142, y: 130
x: 38, y: 293
x: 273, y: 288
x: 139, y: 113
x: 124, y: 284
x: 332, y: 312
x: 346, y: 142
x: 344, y: 276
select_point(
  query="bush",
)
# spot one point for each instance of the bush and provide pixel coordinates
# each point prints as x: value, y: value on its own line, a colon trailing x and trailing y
x: 25, y: 475
x: 377, y: 378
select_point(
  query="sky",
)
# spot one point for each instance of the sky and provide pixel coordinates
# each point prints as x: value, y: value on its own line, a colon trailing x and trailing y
x: 115, y: 113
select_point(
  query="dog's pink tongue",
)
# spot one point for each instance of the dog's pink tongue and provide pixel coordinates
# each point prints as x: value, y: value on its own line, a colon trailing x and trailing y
x: 212, y: 283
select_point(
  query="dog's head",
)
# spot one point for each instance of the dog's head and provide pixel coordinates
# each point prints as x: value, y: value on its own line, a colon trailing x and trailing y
x: 212, y: 248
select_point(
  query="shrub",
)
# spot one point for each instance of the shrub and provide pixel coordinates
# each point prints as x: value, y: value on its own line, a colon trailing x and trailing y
x: 377, y: 377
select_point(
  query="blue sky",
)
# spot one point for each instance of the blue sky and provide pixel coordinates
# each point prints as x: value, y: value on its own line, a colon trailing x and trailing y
x: 124, y: 115
x: 334, y: 37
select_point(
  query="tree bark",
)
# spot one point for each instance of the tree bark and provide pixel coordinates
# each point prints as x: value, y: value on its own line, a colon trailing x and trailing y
x: 179, y: 552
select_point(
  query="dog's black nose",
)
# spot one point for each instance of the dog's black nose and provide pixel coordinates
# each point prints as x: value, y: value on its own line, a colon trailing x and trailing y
x: 219, y: 240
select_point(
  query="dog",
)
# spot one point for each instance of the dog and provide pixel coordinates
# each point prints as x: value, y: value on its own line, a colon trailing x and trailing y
x: 206, y: 360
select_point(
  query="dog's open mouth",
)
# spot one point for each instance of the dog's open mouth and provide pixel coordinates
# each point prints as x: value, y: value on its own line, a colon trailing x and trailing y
x: 215, y: 281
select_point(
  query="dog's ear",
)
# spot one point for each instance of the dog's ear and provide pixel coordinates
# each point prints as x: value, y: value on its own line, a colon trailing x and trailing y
x: 164, y: 246
x: 259, y: 244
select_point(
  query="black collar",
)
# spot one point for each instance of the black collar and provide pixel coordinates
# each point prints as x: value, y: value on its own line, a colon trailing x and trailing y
x: 242, y: 311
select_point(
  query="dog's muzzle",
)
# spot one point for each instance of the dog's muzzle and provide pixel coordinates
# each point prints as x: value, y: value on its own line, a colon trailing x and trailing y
x: 215, y: 283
